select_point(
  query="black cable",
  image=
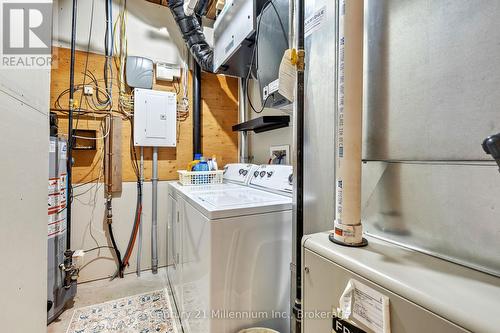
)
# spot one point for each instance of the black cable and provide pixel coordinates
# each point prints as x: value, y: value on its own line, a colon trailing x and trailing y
x: 69, y: 160
x: 91, y: 25
x: 263, y: 104
x: 254, y: 49
x: 86, y: 183
x: 71, y: 138
x: 254, y: 53
x: 117, y: 252
x: 285, y: 36
x: 98, y: 248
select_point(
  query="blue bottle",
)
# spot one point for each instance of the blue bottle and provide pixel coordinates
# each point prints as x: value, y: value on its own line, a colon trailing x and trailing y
x: 202, y: 166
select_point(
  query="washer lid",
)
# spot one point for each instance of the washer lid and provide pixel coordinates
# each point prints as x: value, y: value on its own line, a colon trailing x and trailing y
x: 238, y: 202
x: 239, y: 198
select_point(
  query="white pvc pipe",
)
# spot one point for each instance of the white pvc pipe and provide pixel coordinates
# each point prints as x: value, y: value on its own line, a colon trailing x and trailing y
x: 348, y: 229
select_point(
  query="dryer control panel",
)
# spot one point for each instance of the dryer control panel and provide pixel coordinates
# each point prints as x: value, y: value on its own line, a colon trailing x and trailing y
x: 273, y: 177
x: 239, y: 172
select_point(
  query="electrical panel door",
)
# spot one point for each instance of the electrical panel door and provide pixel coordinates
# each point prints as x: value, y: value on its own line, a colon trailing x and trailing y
x: 155, y: 118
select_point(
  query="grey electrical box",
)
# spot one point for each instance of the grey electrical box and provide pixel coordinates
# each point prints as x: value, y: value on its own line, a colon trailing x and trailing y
x: 234, y: 36
x: 271, y: 45
x: 139, y: 72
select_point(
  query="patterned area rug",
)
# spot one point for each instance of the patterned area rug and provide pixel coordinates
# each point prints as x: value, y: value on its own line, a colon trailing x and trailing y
x: 145, y: 313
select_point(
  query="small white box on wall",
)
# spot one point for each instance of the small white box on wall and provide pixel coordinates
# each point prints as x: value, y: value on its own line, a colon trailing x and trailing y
x: 167, y: 72
x: 155, y: 118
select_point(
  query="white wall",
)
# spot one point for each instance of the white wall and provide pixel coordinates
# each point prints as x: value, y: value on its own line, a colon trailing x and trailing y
x: 260, y: 143
x: 24, y: 104
x: 151, y: 29
x: 89, y: 221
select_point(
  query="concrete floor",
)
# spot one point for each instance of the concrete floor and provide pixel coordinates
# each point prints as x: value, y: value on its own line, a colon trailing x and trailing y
x: 104, y: 290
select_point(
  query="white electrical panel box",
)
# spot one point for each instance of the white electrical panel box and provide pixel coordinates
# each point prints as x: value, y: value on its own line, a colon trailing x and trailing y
x: 155, y: 118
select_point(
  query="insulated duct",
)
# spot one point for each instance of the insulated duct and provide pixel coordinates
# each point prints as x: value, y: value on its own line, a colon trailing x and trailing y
x: 192, y: 32
x: 348, y: 229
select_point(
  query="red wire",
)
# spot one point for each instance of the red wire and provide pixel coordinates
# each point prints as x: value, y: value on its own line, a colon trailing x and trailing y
x: 136, y: 228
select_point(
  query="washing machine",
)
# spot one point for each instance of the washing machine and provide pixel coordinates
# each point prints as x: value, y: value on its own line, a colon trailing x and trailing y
x: 235, y: 176
x: 230, y: 247
x: 388, y: 288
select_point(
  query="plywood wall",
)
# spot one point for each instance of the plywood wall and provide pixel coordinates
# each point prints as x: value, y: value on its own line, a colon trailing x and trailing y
x: 220, y: 104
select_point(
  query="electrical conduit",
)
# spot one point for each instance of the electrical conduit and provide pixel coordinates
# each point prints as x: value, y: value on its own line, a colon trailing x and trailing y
x: 193, y: 35
x: 139, y: 242
x: 154, y: 214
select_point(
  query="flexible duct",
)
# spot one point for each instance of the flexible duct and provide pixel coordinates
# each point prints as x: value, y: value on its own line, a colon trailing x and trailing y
x: 348, y: 229
x: 192, y: 32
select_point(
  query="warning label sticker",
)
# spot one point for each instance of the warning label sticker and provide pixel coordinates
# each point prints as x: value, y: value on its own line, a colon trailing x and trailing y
x: 56, y: 204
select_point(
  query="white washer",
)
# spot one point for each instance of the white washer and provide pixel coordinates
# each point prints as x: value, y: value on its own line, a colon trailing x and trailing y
x: 230, y: 247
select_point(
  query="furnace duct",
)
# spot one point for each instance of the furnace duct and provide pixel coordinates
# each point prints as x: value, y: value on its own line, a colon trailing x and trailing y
x: 348, y: 229
x: 192, y: 32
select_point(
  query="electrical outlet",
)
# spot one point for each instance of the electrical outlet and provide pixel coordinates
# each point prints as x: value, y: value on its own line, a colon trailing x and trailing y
x: 88, y: 90
x: 280, y: 154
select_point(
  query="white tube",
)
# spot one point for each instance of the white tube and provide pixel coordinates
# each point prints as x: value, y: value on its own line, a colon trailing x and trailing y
x: 189, y: 7
x: 348, y: 229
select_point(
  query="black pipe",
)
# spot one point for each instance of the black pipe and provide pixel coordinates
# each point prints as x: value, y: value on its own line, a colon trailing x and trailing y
x: 201, y: 8
x: 192, y: 32
x: 70, y: 127
x: 197, y: 149
x: 299, y: 178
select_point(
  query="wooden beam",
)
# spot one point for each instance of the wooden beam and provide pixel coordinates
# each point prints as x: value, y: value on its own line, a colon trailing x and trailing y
x: 159, y: 2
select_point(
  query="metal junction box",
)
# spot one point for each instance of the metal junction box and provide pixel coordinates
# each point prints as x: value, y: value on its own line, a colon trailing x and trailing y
x: 155, y: 118
x: 271, y: 45
x: 234, y: 35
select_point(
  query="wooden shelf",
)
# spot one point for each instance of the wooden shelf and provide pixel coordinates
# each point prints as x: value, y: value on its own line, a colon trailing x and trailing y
x: 263, y: 124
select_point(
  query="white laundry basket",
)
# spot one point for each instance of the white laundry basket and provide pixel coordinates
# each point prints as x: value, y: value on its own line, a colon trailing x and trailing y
x: 258, y: 330
x: 200, y: 177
